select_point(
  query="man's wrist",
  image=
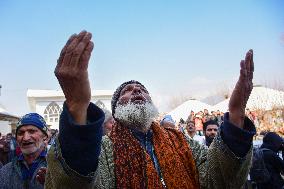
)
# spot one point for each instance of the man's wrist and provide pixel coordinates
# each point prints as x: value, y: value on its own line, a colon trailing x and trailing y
x: 78, y: 112
x: 237, y: 119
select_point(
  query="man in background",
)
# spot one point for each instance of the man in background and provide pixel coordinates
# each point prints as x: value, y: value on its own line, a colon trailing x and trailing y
x: 31, y: 136
x: 191, y: 130
x: 108, y: 123
x: 272, y: 145
x: 210, y: 129
x: 168, y: 121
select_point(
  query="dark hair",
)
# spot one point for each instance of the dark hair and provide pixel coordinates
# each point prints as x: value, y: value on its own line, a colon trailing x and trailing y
x: 272, y: 141
x: 209, y: 122
x: 181, y: 121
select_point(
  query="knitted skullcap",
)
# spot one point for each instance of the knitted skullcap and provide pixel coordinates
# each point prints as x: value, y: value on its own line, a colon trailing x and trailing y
x: 167, y: 118
x: 116, y: 94
x: 33, y: 119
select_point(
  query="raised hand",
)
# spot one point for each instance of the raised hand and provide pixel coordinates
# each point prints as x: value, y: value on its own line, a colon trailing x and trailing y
x: 242, y: 91
x: 72, y: 74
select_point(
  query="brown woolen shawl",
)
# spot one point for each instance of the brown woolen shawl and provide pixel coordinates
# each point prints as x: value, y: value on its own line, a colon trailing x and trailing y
x: 135, y: 169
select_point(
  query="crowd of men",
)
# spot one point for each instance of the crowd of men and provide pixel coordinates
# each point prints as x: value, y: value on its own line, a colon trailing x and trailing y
x: 7, y: 148
x: 265, y: 121
x: 129, y: 148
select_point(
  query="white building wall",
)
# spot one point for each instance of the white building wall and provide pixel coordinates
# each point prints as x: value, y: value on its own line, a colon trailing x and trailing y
x: 40, y: 99
x: 107, y: 103
x: 41, y: 105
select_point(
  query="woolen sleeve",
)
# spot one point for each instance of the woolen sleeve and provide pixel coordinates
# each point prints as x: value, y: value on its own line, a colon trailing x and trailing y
x: 238, y: 140
x: 81, y: 144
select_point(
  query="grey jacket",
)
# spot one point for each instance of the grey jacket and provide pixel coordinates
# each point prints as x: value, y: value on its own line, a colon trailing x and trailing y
x: 11, y: 176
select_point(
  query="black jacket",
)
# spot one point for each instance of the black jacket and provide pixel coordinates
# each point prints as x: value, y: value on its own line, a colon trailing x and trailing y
x: 273, y: 162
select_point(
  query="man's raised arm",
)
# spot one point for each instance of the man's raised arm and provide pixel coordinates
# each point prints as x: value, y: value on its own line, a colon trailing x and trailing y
x: 242, y: 91
x: 73, y: 159
x: 72, y: 74
x: 226, y: 163
x: 237, y: 130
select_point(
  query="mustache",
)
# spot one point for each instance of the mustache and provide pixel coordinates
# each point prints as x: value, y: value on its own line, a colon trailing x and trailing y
x: 136, y: 115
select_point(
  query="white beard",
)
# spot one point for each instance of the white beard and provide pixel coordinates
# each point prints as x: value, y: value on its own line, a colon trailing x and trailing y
x: 136, y: 116
x: 33, y: 149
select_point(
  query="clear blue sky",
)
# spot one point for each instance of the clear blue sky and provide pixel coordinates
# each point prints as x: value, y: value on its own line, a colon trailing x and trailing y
x: 173, y: 47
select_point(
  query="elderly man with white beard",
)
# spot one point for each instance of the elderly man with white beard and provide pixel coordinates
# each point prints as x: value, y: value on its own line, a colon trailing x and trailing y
x: 139, y: 153
x: 21, y: 173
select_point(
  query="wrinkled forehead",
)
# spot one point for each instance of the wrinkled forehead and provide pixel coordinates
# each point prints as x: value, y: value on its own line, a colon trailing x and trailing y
x: 131, y: 86
x: 28, y: 127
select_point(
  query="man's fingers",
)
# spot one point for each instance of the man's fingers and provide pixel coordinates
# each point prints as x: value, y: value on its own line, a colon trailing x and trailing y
x: 69, y: 51
x: 251, y: 63
x: 81, y: 35
x: 243, y: 71
x: 251, y: 66
x: 242, y: 90
x: 79, y: 50
x: 73, y: 41
x: 40, y: 179
x: 63, y: 51
x: 70, y: 48
x: 42, y: 170
x: 41, y: 174
x: 71, y: 38
x: 86, y: 56
x: 247, y: 61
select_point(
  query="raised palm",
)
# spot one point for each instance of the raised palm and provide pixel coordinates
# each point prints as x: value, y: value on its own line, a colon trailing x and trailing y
x: 72, y: 74
x: 242, y: 91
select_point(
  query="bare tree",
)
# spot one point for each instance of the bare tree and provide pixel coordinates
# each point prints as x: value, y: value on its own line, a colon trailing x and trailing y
x: 175, y: 101
x: 276, y: 84
x: 221, y: 92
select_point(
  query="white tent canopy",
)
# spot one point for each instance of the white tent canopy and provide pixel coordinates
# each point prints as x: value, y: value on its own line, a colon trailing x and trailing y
x: 260, y: 98
x: 183, y: 110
